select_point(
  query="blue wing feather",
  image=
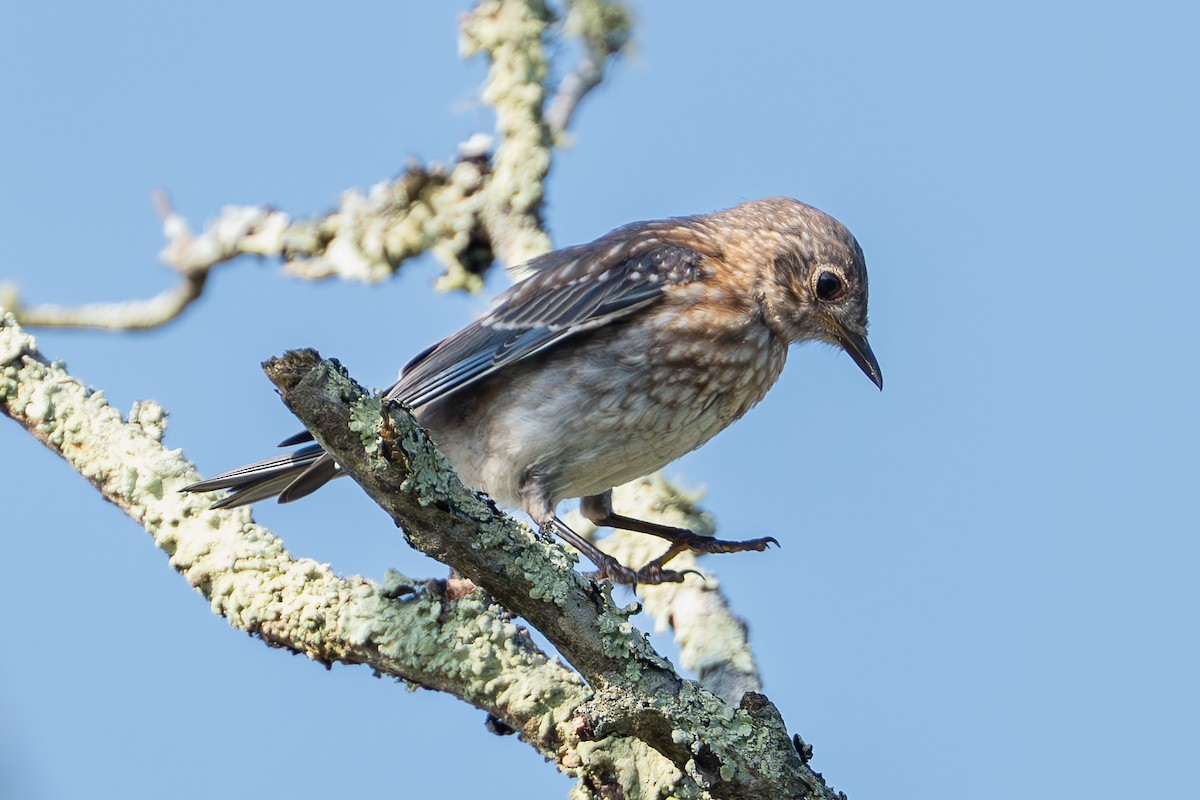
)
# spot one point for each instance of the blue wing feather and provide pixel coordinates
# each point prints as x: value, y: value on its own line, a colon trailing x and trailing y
x: 582, y: 289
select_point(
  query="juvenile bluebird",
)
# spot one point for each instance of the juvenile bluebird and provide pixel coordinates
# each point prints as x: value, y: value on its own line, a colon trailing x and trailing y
x: 613, y: 359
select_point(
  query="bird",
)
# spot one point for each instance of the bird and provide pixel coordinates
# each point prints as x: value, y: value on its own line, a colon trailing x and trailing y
x: 612, y: 359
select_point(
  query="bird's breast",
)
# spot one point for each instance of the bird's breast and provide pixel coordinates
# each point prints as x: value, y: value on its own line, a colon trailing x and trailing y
x: 606, y: 407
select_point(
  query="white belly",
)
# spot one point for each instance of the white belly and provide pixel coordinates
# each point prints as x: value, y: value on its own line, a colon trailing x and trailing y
x: 587, y: 419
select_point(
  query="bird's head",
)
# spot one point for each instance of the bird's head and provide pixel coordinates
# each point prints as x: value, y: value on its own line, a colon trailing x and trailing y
x: 814, y: 280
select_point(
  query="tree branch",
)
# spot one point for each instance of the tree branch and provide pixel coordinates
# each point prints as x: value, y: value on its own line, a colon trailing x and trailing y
x: 485, y: 205
x: 408, y: 477
x: 637, y: 708
x: 713, y: 641
x: 415, y: 631
x: 742, y: 753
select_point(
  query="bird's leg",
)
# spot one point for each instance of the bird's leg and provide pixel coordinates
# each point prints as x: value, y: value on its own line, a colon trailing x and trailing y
x: 598, y: 509
x: 609, y: 567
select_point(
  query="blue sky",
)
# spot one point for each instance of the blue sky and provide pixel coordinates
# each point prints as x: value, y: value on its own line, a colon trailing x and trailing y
x: 988, y: 575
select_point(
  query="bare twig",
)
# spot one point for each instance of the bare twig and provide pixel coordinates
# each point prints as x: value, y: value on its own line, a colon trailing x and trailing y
x: 604, y: 29
x: 128, y: 315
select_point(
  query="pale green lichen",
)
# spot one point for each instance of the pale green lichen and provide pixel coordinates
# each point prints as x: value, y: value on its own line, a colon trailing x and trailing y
x: 703, y: 721
x: 430, y: 475
x: 548, y: 570
x: 366, y: 419
x: 620, y: 639
x: 511, y: 34
x: 602, y: 24
x: 719, y: 737
x: 431, y: 209
x: 151, y: 417
x: 638, y: 769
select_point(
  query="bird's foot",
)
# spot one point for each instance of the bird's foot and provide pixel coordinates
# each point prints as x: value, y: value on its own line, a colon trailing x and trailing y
x: 649, y: 575
x: 707, y: 544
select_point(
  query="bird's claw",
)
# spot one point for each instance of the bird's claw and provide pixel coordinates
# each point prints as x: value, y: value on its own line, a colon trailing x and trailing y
x: 707, y: 544
x: 650, y: 575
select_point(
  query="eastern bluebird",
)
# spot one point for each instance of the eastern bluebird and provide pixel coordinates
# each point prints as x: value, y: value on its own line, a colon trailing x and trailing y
x: 613, y: 359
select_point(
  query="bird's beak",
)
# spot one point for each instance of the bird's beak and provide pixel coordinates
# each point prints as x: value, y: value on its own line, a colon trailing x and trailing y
x: 855, y: 344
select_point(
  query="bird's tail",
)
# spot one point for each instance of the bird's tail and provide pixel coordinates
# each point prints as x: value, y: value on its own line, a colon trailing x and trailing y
x: 289, y: 477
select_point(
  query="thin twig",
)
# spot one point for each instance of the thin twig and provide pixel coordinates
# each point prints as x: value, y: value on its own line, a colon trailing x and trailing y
x: 604, y: 29
x: 129, y: 315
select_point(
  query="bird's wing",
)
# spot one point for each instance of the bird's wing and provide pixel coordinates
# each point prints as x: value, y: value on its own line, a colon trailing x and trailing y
x: 570, y: 291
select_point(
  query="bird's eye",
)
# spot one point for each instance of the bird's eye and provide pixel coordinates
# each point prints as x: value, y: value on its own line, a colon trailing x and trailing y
x: 829, y: 286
